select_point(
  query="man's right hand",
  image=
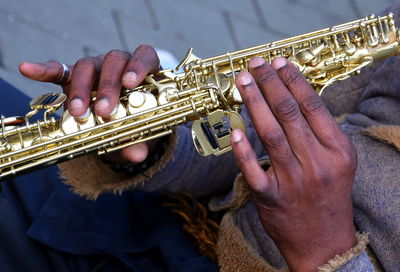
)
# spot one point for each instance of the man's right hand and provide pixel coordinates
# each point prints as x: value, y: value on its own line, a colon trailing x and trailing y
x: 107, y: 74
x: 304, y: 198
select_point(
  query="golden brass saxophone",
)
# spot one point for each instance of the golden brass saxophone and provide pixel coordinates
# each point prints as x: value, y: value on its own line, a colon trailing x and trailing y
x: 198, y: 90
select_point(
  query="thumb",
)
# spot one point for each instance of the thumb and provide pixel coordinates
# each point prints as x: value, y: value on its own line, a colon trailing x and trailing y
x: 132, y: 154
x: 258, y: 180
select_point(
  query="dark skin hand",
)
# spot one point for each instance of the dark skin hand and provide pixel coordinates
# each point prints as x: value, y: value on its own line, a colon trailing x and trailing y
x: 304, y: 198
x: 106, y: 74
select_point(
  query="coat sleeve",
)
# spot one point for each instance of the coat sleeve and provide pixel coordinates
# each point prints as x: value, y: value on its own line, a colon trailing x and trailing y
x: 180, y: 168
x: 243, y: 245
x: 354, y: 260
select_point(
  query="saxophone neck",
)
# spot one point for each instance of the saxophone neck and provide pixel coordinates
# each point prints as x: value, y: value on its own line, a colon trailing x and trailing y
x: 324, y: 56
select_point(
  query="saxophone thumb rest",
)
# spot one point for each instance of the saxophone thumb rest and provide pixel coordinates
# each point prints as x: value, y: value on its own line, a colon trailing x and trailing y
x: 204, y: 92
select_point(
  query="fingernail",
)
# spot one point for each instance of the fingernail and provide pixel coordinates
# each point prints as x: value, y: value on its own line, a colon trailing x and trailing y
x: 84, y: 117
x: 129, y: 78
x: 76, y: 105
x: 236, y: 135
x: 245, y: 79
x: 101, y: 106
x: 278, y: 63
x: 256, y: 62
x: 113, y: 113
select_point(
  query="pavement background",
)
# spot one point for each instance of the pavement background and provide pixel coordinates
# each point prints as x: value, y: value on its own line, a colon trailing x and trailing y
x: 68, y: 30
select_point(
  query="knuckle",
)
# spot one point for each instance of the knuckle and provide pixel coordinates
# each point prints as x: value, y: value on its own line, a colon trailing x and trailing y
x: 116, y: 53
x: 148, y: 55
x: 266, y: 76
x: 321, y: 175
x: 273, y: 140
x: 88, y: 63
x: 287, y: 110
x: 292, y: 76
x: 349, y: 156
x: 312, y: 105
x: 345, y: 151
x: 108, y: 85
x: 264, y: 192
x: 146, y: 48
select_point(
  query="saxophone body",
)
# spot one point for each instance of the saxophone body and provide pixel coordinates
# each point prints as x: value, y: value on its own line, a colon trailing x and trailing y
x: 198, y: 90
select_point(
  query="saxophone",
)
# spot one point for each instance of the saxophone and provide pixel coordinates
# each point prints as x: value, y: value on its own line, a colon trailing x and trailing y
x: 198, y: 90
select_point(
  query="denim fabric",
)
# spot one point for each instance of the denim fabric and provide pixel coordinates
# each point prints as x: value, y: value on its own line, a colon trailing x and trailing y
x: 359, y: 264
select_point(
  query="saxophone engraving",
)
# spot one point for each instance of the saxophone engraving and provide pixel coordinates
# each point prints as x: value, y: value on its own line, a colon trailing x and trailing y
x: 198, y: 90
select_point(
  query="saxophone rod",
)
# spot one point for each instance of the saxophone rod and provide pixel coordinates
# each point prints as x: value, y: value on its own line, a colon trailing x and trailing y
x: 354, y: 25
x: 95, y: 137
x: 84, y: 150
x: 109, y: 125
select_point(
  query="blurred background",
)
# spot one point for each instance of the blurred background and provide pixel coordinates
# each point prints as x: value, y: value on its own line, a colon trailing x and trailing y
x: 67, y: 30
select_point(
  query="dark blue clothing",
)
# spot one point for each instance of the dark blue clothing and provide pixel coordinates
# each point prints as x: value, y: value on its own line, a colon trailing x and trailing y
x: 45, y: 227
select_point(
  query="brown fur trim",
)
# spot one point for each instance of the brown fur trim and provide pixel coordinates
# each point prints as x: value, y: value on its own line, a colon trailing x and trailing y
x: 240, y: 193
x: 340, y: 260
x: 341, y: 118
x: 89, y: 177
x: 234, y: 253
x: 388, y: 134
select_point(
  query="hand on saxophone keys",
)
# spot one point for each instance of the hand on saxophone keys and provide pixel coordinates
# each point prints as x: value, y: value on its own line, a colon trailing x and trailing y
x: 306, y: 147
x: 105, y: 75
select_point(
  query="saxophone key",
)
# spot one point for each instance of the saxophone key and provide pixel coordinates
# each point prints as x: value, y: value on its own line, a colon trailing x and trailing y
x: 237, y: 98
x: 4, y: 146
x: 140, y: 101
x: 48, y: 101
x: 70, y: 124
x: 10, y: 123
x: 168, y: 95
x: 221, y: 81
x: 117, y: 113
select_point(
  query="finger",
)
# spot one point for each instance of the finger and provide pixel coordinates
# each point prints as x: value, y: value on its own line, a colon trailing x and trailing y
x: 285, y: 108
x: 313, y: 109
x: 83, y: 78
x: 246, y: 159
x: 51, y: 71
x: 267, y: 127
x: 142, y: 62
x: 133, y: 154
x: 110, y: 82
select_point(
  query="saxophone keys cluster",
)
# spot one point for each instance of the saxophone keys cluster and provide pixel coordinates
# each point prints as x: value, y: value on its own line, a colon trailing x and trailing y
x: 137, y: 102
